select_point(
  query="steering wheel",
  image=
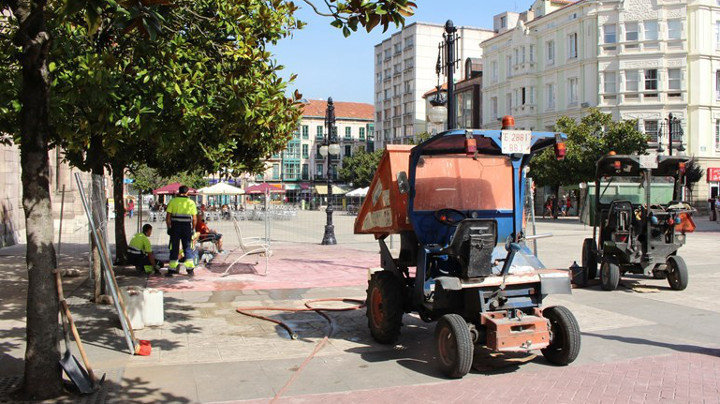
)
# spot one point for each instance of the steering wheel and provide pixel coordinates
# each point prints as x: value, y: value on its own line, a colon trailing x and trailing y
x: 449, y: 217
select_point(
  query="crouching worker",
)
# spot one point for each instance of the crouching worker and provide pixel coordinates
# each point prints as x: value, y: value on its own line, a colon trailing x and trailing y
x: 140, y: 252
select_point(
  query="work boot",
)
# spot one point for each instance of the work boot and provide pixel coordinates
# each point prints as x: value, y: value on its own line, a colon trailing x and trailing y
x: 190, y: 272
x: 172, y: 272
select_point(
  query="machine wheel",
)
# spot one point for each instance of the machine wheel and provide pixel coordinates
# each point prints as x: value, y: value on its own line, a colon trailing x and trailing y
x: 609, y: 274
x: 565, y: 336
x: 454, y: 346
x: 384, y: 307
x: 658, y: 272
x: 589, y: 258
x: 677, y: 273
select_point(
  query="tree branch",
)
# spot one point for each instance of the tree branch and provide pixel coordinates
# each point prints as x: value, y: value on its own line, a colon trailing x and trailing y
x: 318, y: 12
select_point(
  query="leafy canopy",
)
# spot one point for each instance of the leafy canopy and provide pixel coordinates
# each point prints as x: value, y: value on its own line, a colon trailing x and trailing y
x: 589, y: 139
x: 360, y: 168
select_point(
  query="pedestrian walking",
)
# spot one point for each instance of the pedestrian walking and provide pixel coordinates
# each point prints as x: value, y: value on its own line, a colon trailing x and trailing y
x: 711, y: 206
x: 131, y: 208
x: 181, y: 219
x: 717, y: 208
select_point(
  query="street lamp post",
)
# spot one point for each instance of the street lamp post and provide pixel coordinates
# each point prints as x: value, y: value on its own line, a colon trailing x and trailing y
x: 674, y: 129
x: 447, y: 63
x: 328, y: 149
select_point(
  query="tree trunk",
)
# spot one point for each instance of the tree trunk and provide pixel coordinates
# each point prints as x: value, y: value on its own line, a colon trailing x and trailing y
x: 118, y: 171
x: 43, y: 377
x: 98, y: 208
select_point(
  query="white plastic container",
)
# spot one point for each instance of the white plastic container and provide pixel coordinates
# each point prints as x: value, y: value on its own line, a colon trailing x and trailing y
x: 133, y: 298
x: 152, y: 307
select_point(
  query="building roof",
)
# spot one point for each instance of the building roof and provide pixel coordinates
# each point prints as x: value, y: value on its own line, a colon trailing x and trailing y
x: 343, y: 110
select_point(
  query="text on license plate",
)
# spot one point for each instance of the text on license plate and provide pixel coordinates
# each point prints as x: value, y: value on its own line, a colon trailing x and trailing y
x: 516, y: 141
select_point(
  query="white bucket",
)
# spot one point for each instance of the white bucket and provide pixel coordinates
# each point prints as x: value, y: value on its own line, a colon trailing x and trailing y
x: 133, y: 298
x: 152, y: 311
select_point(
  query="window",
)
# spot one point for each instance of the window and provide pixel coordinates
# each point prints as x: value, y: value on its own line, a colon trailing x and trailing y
x: 717, y: 34
x: 550, y: 91
x: 532, y: 53
x: 631, y: 31
x: 651, y: 130
x: 334, y: 169
x: 276, y: 171
x: 517, y: 57
x: 408, y: 42
x: 609, y: 86
x: 651, y: 30
x: 651, y: 80
x: 291, y: 171
x: 319, y: 132
x: 348, y: 150
x: 674, y: 82
x: 508, y: 103
x: 609, y: 33
x: 318, y: 170
x: 717, y: 84
x: 717, y: 135
x: 573, y: 90
x: 503, y: 22
x: 572, y: 45
x: 494, y: 107
x: 509, y: 66
x: 550, y: 45
x: 674, y: 29
x: 293, y: 150
x: 348, y: 132
x: 305, y: 172
x: 305, y: 131
x: 522, y: 55
x: 523, y: 95
x: 305, y: 151
x: 531, y: 96
x: 632, y: 79
x: 362, y: 133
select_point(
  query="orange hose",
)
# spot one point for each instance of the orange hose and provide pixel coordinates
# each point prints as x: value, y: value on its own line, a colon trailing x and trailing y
x: 359, y: 304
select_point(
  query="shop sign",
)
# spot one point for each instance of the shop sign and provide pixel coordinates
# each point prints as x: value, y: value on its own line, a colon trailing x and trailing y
x: 713, y: 174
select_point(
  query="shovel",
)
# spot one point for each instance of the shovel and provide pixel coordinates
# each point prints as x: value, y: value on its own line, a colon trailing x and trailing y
x: 83, y: 379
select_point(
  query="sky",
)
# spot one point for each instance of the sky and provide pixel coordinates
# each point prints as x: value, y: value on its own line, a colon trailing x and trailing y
x: 330, y: 65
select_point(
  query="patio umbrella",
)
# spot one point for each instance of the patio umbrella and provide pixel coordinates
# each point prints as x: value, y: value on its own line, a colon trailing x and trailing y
x: 357, y: 193
x: 263, y: 188
x: 172, y: 189
x: 221, y: 188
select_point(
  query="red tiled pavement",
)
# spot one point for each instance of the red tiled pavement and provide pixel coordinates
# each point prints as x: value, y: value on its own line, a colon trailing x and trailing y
x: 292, y: 266
x: 676, y: 378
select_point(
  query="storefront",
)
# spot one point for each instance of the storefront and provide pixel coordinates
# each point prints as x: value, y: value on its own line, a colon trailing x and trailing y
x: 713, y: 179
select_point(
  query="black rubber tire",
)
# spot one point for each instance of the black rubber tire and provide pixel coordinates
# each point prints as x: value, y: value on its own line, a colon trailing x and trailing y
x: 609, y: 274
x: 565, y: 341
x: 384, y: 316
x: 454, y: 346
x: 589, y: 258
x: 677, y: 273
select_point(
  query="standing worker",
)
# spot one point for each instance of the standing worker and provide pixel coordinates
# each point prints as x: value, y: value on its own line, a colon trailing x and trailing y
x: 140, y: 252
x: 181, y: 219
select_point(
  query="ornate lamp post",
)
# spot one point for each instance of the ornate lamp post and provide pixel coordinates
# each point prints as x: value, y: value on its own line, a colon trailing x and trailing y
x: 329, y: 148
x: 446, y: 64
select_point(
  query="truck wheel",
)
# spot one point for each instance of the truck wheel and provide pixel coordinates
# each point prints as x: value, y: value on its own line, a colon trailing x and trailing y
x: 454, y: 346
x: 609, y: 274
x: 677, y: 273
x: 589, y: 258
x: 564, y: 336
x: 384, y: 307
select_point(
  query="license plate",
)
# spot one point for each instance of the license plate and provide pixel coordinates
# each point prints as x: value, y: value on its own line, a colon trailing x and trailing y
x: 516, y: 141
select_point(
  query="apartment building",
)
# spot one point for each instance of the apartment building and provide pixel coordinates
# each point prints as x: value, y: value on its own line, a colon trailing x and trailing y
x: 634, y: 59
x: 405, y: 70
x: 301, y: 161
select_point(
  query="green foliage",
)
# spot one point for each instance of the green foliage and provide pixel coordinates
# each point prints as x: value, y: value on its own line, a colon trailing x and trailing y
x: 595, y: 135
x: 693, y: 173
x: 146, y: 179
x: 360, y: 168
x: 348, y: 15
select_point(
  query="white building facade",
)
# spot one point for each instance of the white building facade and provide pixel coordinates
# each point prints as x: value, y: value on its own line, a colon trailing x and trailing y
x: 405, y: 70
x: 634, y: 59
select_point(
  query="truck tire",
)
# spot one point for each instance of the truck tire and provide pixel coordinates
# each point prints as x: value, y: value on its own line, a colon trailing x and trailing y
x: 677, y: 273
x: 454, y: 346
x: 384, y: 307
x: 609, y: 274
x: 589, y: 258
x: 565, y: 336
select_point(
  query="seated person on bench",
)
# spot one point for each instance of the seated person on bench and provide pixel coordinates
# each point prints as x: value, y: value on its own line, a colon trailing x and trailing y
x: 207, y: 234
x: 140, y: 252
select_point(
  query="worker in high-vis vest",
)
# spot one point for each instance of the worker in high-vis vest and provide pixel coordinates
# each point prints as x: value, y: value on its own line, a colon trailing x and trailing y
x: 181, y: 218
x: 140, y: 252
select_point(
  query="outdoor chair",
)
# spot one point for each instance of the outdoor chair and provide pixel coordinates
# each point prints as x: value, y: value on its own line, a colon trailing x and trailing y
x: 249, y: 246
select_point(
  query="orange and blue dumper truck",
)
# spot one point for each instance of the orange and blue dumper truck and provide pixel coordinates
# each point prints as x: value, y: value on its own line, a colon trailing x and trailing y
x: 456, y: 201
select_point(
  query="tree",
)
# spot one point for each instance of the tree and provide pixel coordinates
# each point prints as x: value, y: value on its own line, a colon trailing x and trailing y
x: 145, y: 179
x: 359, y: 169
x: 589, y: 139
x: 25, y: 91
x: 693, y: 174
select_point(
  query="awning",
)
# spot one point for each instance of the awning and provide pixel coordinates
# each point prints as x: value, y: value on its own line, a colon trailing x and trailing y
x: 322, y: 190
x: 292, y: 187
x: 172, y: 189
